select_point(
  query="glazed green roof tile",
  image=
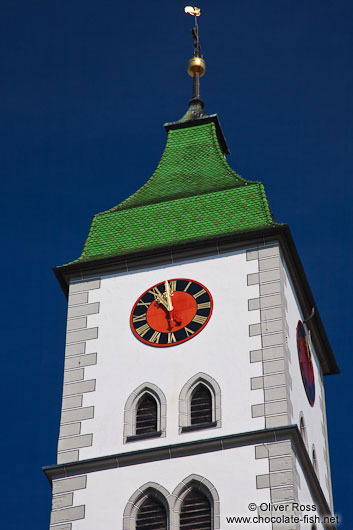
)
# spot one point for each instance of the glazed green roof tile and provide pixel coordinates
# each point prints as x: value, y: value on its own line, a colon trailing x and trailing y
x: 193, y: 195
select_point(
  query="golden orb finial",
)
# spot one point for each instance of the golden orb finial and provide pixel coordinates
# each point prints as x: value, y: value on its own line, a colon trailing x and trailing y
x: 196, y: 65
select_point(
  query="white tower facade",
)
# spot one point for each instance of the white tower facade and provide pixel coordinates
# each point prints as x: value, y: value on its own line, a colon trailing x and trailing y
x: 193, y: 387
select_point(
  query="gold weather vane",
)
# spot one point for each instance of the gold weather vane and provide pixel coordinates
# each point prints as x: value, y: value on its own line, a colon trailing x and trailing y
x: 195, y: 11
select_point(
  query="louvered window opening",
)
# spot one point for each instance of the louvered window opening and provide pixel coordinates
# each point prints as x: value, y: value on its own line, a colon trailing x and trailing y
x: 201, y: 405
x: 195, y: 512
x: 146, y: 415
x: 151, y: 515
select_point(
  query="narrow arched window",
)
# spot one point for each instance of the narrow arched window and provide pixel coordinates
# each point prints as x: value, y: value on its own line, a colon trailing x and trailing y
x: 314, y: 460
x: 196, y: 512
x: 303, y: 431
x: 201, y: 405
x: 151, y: 515
x: 146, y: 414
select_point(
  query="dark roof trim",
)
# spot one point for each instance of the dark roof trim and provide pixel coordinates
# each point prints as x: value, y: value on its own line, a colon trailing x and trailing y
x: 212, y: 118
x: 198, y: 249
x: 198, y: 447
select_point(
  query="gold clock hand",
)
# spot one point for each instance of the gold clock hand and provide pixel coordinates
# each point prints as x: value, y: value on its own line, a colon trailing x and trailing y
x: 159, y: 298
x: 168, y: 296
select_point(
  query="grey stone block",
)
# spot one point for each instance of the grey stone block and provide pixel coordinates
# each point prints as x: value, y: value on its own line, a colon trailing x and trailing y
x: 80, y: 298
x: 277, y: 407
x: 271, y: 326
x: 273, y: 353
x: 62, y: 501
x: 256, y: 383
x: 271, y: 367
x: 251, y: 255
x: 257, y: 410
x: 274, y: 380
x: 255, y: 356
x: 267, y: 252
x: 73, y: 375
x: 75, y: 349
x: 282, y: 494
x: 70, y: 430
x: 69, y: 484
x: 279, y: 392
x: 82, y: 310
x: 82, y: 335
x: 72, y: 402
x: 270, y: 276
x: 76, y: 323
x: 85, y: 413
x: 270, y: 288
x: 75, y: 442
x: 271, y: 313
x: 253, y: 304
x: 276, y: 421
x: 269, y: 263
x: 87, y: 285
x: 254, y: 329
x: 279, y: 449
x: 68, y: 456
x: 281, y: 464
x: 270, y: 301
x: 67, y: 526
x: 67, y: 514
x: 262, y: 481
x: 79, y: 388
x: 253, y: 279
x: 272, y: 340
x: 284, y: 478
x: 261, y: 451
x: 80, y: 360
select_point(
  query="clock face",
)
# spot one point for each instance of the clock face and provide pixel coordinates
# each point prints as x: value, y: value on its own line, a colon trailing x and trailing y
x: 305, y: 362
x: 171, y: 312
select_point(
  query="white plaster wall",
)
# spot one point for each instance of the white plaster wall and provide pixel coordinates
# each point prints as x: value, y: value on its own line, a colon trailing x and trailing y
x: 232, y: 472
x: 313, y: 416
x: 221, y: 350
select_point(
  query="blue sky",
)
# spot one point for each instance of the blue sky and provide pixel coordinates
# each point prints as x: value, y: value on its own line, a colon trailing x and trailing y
x: 85, y: 89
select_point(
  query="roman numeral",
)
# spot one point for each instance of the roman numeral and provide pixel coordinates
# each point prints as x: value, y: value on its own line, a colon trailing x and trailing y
x: 199, y: 319
x: 139, y: 318
x: 145, y: 304
x: 188, y: 332
x: 155, y: 337
x: 187, y: 287
x: 171, y: 338
x: 205, y: 305
x: 155, y: 291
x: 142, y: 330
x: 173, y: 285
x: 201, y: 292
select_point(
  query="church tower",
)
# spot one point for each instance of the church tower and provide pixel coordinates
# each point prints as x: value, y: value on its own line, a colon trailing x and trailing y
x: 195, y: 355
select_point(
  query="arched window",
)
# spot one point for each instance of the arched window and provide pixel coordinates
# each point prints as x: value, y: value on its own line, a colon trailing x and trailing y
x: 196, y: 505
x: 151, y: 515
x: 146, y: 414
x: 314, y: 460
x: 201, y: 405
x: 302, y: 429
x: 196, y: 512
x: 149, y: 508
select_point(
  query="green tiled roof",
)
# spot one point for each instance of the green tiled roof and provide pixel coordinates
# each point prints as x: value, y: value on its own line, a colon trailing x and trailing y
x: 192, y: 195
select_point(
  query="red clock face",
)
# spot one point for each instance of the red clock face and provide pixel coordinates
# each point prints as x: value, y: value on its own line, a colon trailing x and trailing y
x: 171, y: 312
x: 305, y: 362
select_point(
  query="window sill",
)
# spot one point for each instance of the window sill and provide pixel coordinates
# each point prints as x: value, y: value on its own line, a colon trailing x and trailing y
x: 199, y: 427
x: 144, y: 436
